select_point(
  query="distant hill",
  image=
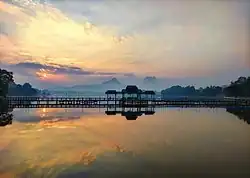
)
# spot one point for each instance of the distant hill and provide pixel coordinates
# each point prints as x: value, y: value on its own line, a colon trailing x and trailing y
x: 150, y: 80
x: 112, y: 81
x: 148, y: 83
x: 22, y: 90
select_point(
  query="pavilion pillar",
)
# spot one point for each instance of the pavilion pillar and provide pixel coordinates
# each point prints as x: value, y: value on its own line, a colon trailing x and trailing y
x: 123, y: 99
x: 115, y: 99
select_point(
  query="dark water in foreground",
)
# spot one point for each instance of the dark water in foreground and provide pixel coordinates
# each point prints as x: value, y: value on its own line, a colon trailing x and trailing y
x: 87, y: 143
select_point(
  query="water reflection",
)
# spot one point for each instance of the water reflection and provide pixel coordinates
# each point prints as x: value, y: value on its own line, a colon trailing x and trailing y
x: 131, y: 113
x: 5, y: 119
x: 171, y: 142
x: 241, y: 113
x: 6, y: 116
x: 53, y: 115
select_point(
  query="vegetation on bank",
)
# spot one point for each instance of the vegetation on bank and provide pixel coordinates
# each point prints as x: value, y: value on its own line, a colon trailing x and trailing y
x: 8, y: 86
x: 6, y: 78
x: 191, y: 91
x: 238, y: 88
x: 22, y: 90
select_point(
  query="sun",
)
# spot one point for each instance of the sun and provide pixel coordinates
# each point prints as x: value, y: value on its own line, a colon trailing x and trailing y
x: 43, y: 74
x: 50, y: 75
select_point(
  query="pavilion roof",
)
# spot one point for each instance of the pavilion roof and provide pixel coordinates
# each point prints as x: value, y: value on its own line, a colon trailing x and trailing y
x: 149, y: 92
x: 111, y: 92
x: 131, y: 89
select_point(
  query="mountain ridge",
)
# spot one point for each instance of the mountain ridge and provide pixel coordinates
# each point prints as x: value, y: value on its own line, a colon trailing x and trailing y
x: 113, y: 81
x: 149, y: 80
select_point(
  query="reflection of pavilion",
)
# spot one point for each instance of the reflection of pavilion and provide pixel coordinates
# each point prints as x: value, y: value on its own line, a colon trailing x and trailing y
x: 131, y: 96
x: 130, y: 113
x: 5, y: 119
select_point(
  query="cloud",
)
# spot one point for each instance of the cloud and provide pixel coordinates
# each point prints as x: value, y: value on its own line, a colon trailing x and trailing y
x: 65, y: 41
x: 162, y: 38
x: 59, y: 69
x: 47, y: 75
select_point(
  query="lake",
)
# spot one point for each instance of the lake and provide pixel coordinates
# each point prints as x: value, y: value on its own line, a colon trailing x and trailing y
x: 79, y: 143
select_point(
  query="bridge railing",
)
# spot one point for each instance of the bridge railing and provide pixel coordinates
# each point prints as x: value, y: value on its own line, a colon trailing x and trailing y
x: 183, y: 98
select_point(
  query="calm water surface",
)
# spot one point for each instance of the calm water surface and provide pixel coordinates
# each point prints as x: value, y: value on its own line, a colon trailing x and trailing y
x: 87, y: 143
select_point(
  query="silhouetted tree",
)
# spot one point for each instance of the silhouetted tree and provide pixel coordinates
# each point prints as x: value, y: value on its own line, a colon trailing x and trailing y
x: 191, y: 91
x: 240, y: 87
x: 22, y: 90
x: 6, y: 78
x: 27, y: 86
x: 211, y: 91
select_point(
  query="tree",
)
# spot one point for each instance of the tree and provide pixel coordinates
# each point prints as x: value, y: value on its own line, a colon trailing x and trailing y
x: 22, y: 90
x: 191, y: 91
x: 27, y: 86
x: 241, y: 88
x: 6, y: 78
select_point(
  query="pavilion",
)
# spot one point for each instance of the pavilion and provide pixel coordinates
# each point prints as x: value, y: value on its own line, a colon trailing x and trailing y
x: 131, y: 95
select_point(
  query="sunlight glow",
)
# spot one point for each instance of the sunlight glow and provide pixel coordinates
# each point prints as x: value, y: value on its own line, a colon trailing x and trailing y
x: 187, y: 45
x: 44, y: 110
x: 50, y: 33
x: 50, y: 75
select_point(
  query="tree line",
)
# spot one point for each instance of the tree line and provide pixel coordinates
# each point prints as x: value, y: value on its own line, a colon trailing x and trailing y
x: 191, y: 91
x: 6, y: 78
x: 238, y: 88
x: 22, y: 90
x: 9, y: 87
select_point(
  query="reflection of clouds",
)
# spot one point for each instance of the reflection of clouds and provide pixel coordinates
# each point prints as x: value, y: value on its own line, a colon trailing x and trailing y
x: 36, y: 115
x: 43, y: 114
x: 86, y: 158
x: 57, y: 123
x: 3, y: 145
x: 98, y: 140
x: 6, y: 175
x: 169, y: 142
x: 38, y: 146
x: 74, y: 157
x: 45, y: 111
x: 51, y: 122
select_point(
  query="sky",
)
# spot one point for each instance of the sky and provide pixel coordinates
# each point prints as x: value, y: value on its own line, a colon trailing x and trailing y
x: 69, y: 42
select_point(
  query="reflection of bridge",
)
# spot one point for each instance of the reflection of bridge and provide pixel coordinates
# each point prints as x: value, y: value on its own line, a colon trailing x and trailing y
x: 130, y: 113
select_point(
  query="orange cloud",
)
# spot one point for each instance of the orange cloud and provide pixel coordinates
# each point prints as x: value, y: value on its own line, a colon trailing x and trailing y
x: 49, y: 75
x: 199, y: 45
x: 50, y: 33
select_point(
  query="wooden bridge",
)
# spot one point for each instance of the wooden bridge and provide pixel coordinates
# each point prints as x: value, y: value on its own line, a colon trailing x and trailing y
x: 99, y: 102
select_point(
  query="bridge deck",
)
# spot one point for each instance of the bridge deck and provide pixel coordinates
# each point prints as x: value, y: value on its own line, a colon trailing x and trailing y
x: 95, y: 102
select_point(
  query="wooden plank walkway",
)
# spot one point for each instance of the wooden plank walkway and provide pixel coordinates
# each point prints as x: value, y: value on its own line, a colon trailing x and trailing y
x: 101, y: 102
